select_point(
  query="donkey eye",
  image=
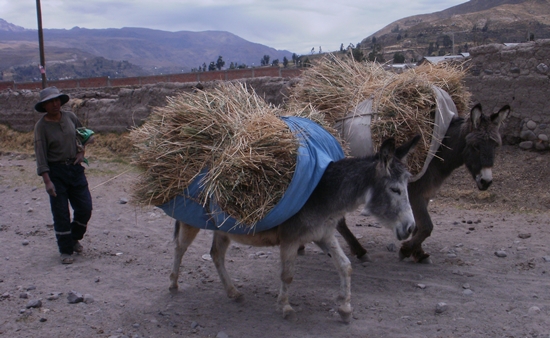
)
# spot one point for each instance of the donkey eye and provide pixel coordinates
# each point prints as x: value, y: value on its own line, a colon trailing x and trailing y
x: 396, y: 190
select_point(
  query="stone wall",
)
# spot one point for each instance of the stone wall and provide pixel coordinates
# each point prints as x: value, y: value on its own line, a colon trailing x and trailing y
x: 105, y: 81
x: 117, y: 109
x: 518, y: 75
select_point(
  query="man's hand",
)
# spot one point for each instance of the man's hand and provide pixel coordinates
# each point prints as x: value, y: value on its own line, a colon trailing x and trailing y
x: 79, y: 158
x: 50, y: 189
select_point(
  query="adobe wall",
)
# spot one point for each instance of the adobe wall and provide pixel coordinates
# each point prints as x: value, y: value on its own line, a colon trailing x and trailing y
x: 517, y: 75
x: 117, y: 109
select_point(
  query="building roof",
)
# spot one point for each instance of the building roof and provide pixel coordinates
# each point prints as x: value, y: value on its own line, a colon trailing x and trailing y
x: 436, y: 59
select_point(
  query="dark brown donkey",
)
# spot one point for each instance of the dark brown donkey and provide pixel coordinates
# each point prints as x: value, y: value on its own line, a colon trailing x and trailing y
x: 469, y: 141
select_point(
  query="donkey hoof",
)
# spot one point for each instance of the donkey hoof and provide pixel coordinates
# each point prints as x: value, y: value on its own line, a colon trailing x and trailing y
x: 173, y: 288
x: 402, y: 256
x: 425, y: 260
x: 345, y: 313
x: 289, y: 313
x: 236, y: 296
x: 302, y: 250
x: 365, y: 259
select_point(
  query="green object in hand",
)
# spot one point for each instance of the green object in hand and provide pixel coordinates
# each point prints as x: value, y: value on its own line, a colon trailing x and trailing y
x: 83, y: 135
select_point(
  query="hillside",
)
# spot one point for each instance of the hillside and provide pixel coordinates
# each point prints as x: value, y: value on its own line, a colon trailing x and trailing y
x: 153, y: 51
x: 458, y: 28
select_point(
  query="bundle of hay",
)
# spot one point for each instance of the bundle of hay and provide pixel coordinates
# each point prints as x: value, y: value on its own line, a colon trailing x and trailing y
x: 248, y: 151
x: 404, y: 103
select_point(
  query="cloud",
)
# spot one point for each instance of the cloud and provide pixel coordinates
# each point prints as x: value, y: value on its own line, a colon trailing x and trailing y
x: 284, y: 24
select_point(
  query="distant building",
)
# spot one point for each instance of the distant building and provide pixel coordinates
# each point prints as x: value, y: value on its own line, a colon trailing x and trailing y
x: 399, y: 67
x: 446, y: 58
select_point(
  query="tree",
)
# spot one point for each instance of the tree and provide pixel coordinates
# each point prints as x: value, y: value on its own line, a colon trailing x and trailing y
x: 357, y: 54
x: 232, y: 66
x: 211, y: 66
x: 431, y: 48
x: 265, y: 60
x: 275, y: 62
x: 375, y: 54
x: 398, y: 58
x: 342, y: 47
x: 447, y: 41
x: 285, y: 62
x: 295, y: 59
x: 220, y: 63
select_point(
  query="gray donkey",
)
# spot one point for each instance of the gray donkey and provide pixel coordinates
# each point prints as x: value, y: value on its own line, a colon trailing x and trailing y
x: 379, y: 182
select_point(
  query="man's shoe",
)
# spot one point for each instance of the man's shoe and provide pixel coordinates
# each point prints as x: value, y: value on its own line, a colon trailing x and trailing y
x: 77, y: 247
x: 66, y: 259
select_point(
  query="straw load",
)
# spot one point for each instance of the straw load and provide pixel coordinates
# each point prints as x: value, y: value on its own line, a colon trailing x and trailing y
x: 403, y: 104
x: 249, y: 153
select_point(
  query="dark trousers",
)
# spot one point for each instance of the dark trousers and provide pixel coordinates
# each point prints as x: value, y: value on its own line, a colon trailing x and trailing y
x: 71, y: 187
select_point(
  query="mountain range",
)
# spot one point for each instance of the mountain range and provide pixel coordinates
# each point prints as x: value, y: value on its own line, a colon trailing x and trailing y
x: 81, y: 52
x: 132, y: 51
x: 458, y: 28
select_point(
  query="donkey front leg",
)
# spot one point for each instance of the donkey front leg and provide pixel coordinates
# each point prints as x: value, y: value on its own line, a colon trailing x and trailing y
x: 289, y: 252
x: 423, y: 230
x: 183, y: 236
x: 220, y: 243
x: 331, y: 247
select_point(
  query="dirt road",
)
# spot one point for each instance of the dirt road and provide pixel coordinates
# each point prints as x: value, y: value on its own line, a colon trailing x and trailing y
x: 122, y: 275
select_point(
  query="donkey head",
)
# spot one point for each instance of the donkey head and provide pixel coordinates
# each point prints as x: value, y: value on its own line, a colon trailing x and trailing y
x: 388, y: 200
x: 481, y: 143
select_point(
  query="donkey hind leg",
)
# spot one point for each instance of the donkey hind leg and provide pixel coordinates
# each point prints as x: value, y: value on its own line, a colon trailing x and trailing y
x: 288, y: 253
x: 331, y: 246
x: 220, y: 243
x: 355, y: 247
x: 184, y: 236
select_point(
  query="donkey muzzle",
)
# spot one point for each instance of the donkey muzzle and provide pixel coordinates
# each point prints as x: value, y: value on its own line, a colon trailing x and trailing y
x: 404, y: 232
x: 484, y: 179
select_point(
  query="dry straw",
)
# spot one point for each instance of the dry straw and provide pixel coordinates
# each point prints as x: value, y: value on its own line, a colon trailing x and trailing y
x: 404, y: 103
x: 250, y: 153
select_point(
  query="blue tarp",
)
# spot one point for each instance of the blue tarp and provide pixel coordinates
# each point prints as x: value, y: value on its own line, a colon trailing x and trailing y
x: 317, y: 149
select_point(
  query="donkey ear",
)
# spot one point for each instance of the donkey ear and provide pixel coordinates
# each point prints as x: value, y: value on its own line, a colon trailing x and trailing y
x: 501, y: 115
x: 475, y: 115
x: 406, y: 148
x: 387, y: 151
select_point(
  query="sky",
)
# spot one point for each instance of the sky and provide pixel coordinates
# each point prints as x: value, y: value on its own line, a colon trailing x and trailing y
x: 293, y: 25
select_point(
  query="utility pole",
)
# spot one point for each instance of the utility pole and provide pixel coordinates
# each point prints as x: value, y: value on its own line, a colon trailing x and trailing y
x: 41, y: 45
x: 453, y: 38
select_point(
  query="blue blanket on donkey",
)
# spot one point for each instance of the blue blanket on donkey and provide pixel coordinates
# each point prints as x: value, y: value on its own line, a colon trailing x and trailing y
x: 317, y: 149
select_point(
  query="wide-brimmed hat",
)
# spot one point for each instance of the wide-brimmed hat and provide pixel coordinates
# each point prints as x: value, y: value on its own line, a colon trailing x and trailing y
x: 50, y: 93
